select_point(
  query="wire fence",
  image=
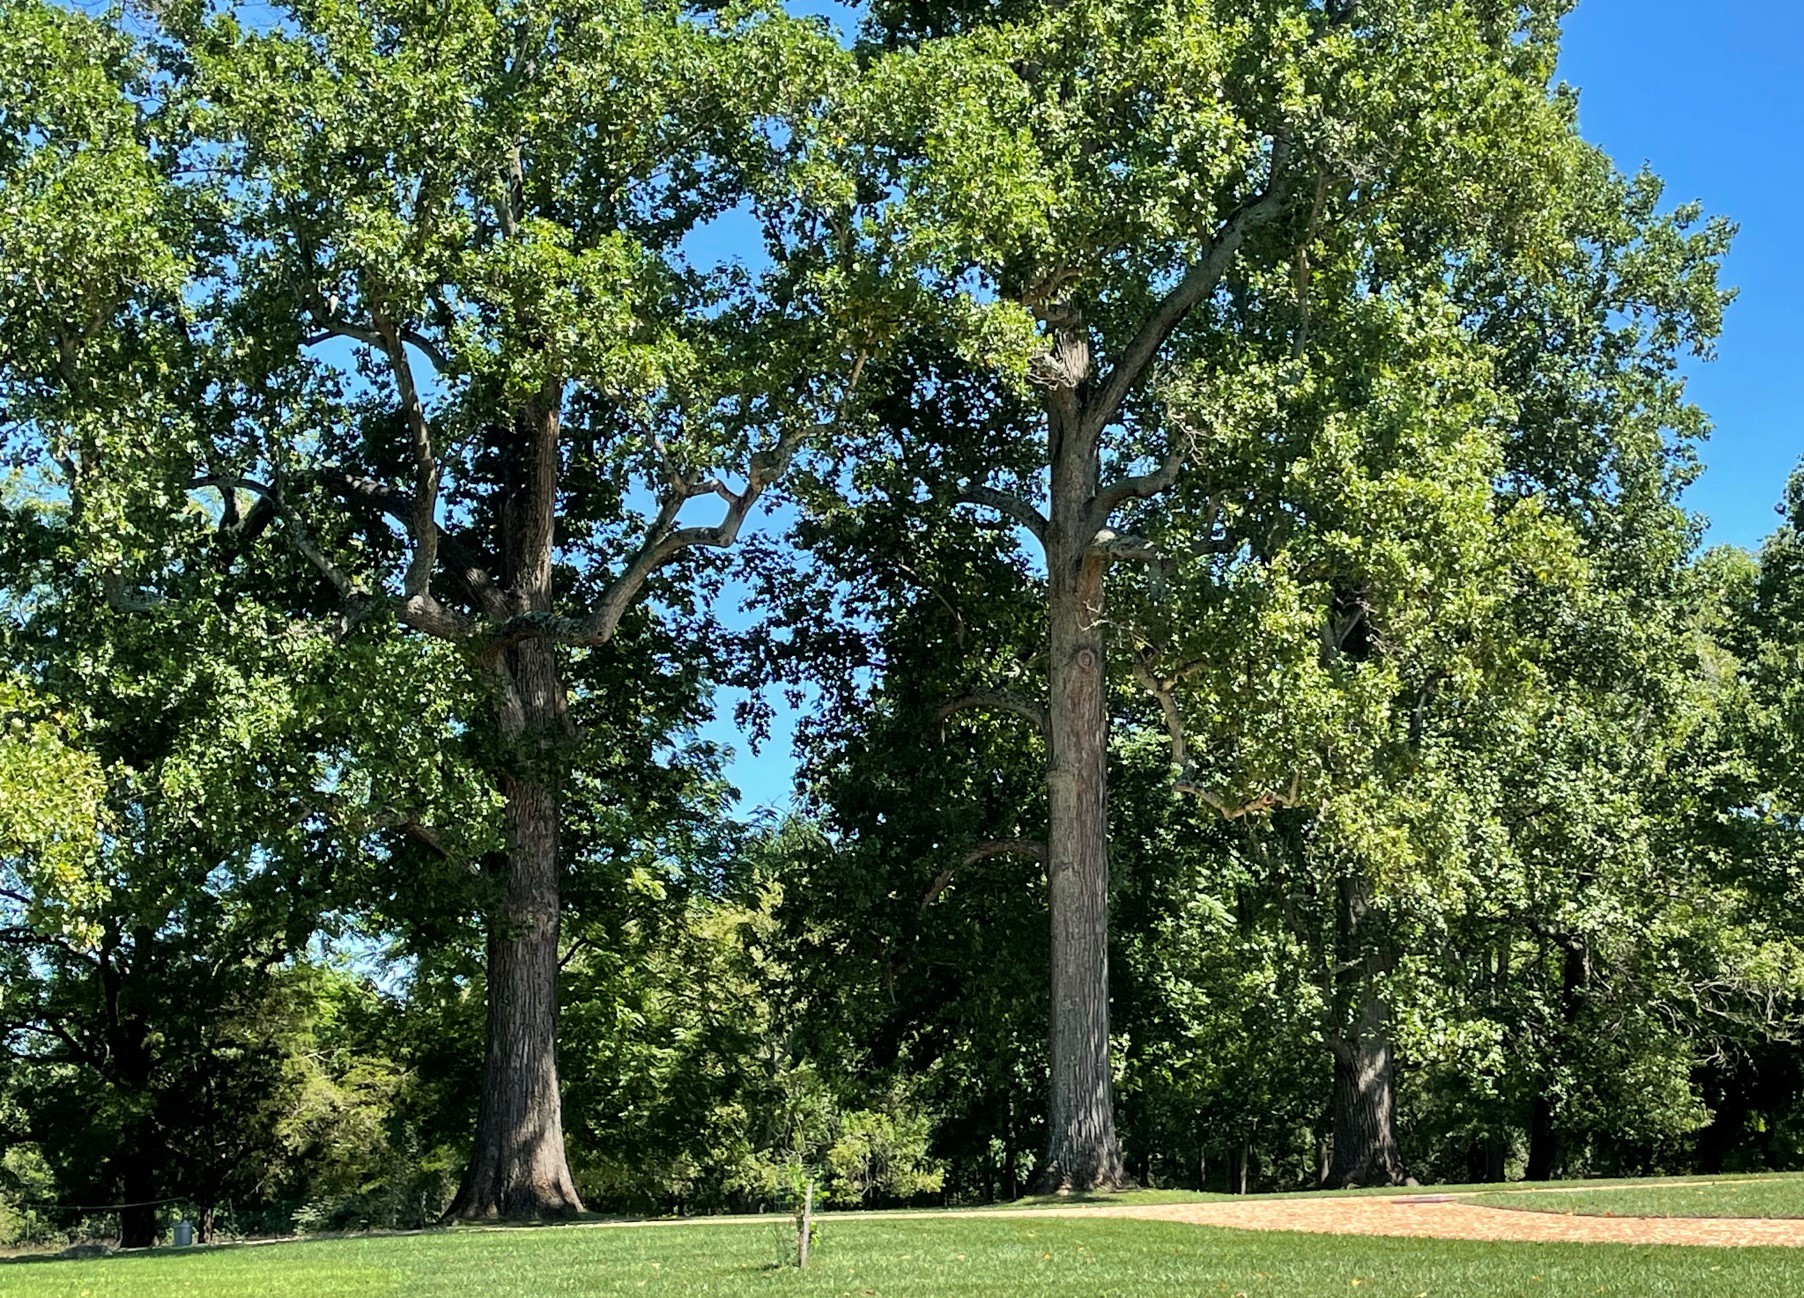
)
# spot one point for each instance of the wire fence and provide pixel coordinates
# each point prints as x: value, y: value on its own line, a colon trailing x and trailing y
x: 43, y: 1224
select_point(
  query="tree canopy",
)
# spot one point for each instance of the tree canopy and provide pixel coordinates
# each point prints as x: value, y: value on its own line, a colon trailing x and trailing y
x: 1228, y: 563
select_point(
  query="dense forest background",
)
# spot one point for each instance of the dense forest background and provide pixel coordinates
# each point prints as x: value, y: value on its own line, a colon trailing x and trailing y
x: 380, y: 439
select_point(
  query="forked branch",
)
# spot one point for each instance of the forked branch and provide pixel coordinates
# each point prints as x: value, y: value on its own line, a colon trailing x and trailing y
x: 664, y: 540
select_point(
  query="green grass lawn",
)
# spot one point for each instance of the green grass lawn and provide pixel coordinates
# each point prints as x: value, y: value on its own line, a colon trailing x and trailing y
x: 1766, y: 1196
x: 910, y: 1258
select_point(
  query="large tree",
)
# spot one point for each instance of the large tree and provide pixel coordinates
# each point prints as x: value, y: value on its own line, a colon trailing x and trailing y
x: 421, y: 295
x: 1121, y: 206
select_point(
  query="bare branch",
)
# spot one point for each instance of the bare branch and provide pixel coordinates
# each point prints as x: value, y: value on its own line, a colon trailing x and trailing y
x: 420, y: 611
x: 370, y: 338
x: 1001, y: 701
x: 421, y: 524
x: 1197, y: 284
x: 1007, y: 504
x: 1141, y: 486
x: 293, y: 527
x: 1144, y: 486
x: 461, y: 564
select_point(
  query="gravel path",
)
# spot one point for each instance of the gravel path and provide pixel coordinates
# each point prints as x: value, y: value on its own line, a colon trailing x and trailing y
x: 1447, y: 1217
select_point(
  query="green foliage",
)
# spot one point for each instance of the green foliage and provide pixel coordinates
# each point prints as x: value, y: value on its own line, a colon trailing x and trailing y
x: 51, y: 813
x: 1425, y: 721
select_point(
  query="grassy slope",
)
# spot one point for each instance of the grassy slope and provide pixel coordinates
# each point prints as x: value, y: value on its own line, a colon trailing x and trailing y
x: 911, y: 1258
x: 1769, y: 1196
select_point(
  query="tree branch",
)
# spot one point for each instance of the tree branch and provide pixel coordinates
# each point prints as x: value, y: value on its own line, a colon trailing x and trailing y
x: 1002, y: 701
x: 1141, y: 486
x: 420, y: 611
x: 1190, y: 292
x: 664, y: 541
x: 24, y: 935
x: 990, y: 847
x: 1007, y: 504
x: 1185, y: 781
x: 461, y: 563
x: 292, y: 525
x: 421, y: 523
x: 370, y: 338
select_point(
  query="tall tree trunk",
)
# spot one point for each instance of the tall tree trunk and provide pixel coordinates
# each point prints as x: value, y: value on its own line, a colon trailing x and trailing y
x: 1365, y: 1072
x: 1082, y: 1151
x: 518, y: 1167
x: 1546, y: 1137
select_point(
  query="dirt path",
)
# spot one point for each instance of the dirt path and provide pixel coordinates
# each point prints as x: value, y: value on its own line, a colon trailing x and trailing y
x: 1447, y: 1217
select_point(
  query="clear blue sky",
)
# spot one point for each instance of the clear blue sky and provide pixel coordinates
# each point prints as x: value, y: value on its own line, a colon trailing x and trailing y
x: 1712, y: 97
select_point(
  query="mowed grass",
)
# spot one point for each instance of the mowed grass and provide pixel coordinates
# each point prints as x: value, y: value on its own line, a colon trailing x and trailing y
x: 1026, y: 1255
x: 1766, y: 1196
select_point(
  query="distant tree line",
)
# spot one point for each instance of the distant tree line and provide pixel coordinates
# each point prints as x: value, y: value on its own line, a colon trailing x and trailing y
x: 1265, y: 718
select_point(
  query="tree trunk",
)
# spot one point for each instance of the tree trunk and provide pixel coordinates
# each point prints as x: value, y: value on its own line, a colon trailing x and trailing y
x: 1365, y: 1111
x: 1546, y: 1138
x: 1365, y: 1072
x: 1546, y: 1147
x: 138, y: 1187
x: 518, y: 1167
x: 1485, y: 1157
x: 1082, y: 1152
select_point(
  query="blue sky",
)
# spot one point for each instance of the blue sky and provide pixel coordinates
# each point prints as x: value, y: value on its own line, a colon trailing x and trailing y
x: 1712, y: 98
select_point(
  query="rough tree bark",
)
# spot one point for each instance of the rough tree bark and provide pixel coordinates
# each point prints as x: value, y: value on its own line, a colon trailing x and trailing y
x: 517, y: 1167
x: 1082, y: 1151
x: 1365, y: 1072
x: 1365, y: 1105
